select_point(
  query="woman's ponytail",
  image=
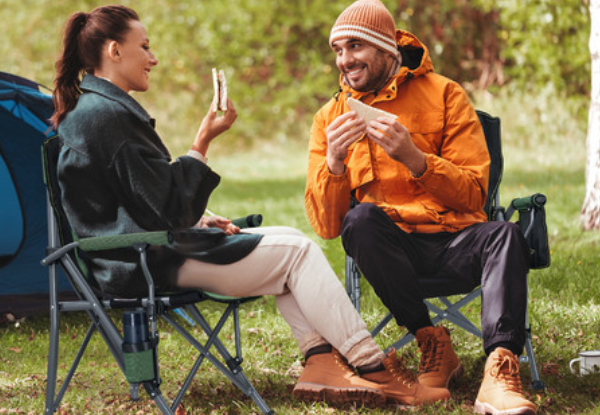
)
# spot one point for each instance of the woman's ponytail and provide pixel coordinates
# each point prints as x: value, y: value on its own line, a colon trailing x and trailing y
x: 68, y: 69
x: 84, y: 36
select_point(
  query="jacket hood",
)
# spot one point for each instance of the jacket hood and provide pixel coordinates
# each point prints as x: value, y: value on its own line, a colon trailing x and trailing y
x: 415, y: 62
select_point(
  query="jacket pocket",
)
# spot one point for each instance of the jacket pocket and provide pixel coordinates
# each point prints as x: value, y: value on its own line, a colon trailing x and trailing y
x: 426, y: 130
x: 424, y: 122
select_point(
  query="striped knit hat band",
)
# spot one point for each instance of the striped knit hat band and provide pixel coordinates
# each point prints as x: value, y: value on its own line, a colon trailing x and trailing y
x: 370, y: 21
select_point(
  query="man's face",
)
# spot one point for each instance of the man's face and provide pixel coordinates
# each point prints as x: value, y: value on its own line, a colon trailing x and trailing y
x: 364, y: 67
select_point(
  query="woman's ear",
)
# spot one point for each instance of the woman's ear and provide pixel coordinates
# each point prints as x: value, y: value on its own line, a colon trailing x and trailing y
x: 113, y: 51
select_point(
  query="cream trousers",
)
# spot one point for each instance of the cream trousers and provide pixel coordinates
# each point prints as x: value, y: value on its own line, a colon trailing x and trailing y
x: 290, y: 266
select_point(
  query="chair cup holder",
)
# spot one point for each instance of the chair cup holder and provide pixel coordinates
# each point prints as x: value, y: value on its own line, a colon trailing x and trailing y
x: 139, y: 351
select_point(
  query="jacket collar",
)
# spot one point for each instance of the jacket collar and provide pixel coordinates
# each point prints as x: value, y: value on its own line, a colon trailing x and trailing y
x: 109, y: 90
x: 415, y: 62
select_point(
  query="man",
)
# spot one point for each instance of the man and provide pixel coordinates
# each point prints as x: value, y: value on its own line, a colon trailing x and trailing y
x: 421, y: 183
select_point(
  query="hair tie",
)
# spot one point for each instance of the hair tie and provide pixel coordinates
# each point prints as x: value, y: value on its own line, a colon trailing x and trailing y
x: 83, y: 18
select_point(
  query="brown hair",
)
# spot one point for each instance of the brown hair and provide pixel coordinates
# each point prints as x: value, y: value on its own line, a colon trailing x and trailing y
x: 84, y: 36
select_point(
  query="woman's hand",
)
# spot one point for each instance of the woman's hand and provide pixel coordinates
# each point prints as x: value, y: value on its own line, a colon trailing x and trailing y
x: 214, y: 124
x: 219, y: 222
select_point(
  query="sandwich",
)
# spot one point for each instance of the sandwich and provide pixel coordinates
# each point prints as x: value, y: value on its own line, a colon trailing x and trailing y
x: 366, y: 112
x: 220, y: 87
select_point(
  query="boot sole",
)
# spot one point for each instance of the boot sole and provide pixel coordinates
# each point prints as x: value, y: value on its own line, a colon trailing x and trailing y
x: 307, y: 391
x: 409, y: 402
x: 485, y: 408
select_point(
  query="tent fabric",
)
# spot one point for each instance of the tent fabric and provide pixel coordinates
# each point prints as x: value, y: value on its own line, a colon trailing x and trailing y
x: 24, y: 126
x: 12, y: 229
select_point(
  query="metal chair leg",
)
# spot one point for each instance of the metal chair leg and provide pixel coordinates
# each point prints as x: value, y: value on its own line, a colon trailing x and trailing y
x: 53, y: 349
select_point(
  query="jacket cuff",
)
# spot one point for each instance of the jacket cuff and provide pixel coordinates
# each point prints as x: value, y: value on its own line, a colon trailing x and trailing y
x: 198, y: 156
x: 338, y: 177
x: 429, y: 162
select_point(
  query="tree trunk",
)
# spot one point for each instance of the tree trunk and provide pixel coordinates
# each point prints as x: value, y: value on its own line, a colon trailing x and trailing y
x: 590, y: 212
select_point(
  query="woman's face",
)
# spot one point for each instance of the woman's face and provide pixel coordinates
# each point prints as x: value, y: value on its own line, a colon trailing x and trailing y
x: 135, y: 60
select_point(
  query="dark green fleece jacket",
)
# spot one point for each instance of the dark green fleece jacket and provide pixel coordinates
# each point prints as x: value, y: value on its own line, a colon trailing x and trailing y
x: 117, y: 177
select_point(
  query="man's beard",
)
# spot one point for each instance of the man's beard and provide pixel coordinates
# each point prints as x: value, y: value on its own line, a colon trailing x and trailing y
x: 377, y: 81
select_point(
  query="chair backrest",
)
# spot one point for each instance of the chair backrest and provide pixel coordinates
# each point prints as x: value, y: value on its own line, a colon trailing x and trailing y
x: 50, y: 152
x: 432, y: 287
x: 62, y: 234
x: 491, y: 130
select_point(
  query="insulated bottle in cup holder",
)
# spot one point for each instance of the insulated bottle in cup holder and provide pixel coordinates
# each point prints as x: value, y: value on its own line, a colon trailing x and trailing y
x: 138, y: 349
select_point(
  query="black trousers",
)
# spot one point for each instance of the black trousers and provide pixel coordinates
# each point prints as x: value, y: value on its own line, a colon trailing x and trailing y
x: 404, y: 268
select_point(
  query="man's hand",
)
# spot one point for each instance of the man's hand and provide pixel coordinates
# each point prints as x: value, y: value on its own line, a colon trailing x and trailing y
x: 341, y: 133
x: 219, y: 222
x: 395, y: 140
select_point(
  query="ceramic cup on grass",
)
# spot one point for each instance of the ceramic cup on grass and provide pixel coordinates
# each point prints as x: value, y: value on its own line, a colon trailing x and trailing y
x: 589, y: 362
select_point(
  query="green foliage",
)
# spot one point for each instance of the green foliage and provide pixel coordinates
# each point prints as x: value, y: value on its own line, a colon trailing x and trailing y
x: 278, y: 62
x: 531, y: 44
x: 275, y: 55
x: 547, y: 43
x: 461, y: 36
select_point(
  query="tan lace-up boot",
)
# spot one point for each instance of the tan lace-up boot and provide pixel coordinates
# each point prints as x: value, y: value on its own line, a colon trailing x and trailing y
x: 328, y: 377
x: 501, y: 392
x: 439, y: 363
x: 401, y: 386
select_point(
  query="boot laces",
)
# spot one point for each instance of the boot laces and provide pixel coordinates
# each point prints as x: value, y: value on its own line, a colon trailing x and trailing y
x: 400, y: 372
x: 341, y: 361
x: 431, y: 355
x: 506, y: 370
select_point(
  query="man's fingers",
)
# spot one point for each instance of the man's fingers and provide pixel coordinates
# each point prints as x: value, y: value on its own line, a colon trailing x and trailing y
x: 351, y: 128
x: 377, y: 136
x: 381, y: 132
x: 385, y: 124
x: 344, y: 123
x: 346, y: 139
x: 343, y: 119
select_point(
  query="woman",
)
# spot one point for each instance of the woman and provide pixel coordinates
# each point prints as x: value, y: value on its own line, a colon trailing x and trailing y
x: 117, y: 177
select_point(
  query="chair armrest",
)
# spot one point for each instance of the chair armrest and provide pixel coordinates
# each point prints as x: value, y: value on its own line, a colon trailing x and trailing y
x: 525, y: 203
x: 250, y: 221
x: 101, y: 243
x: 532, y: 222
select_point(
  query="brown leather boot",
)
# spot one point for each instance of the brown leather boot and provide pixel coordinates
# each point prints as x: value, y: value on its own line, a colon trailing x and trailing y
x: 501, y: 392
x: 439, y: 363
x: 328, y: 377
x: 401, y: 386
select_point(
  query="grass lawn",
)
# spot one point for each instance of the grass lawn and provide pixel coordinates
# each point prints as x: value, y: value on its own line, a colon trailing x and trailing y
x: 545, y: 152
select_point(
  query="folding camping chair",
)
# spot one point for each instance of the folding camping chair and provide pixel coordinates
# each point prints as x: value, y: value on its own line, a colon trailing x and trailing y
x: 135, y: 351
x: 531, y: 221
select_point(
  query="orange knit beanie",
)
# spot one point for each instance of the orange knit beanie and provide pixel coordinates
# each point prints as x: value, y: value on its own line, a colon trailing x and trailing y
x: 368, y: 20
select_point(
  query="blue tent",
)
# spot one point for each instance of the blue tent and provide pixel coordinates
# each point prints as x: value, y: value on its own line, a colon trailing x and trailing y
x: 24, y: 125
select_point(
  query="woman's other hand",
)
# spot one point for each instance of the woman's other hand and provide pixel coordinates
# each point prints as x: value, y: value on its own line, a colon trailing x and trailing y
x: 219, y: 222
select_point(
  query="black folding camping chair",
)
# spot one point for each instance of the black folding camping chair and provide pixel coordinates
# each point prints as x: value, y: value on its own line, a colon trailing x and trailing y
x: 532, y: 221
x: 135, y: 350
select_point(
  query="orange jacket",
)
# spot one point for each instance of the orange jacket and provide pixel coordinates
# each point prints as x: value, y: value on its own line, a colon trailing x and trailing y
x: 449, y: 196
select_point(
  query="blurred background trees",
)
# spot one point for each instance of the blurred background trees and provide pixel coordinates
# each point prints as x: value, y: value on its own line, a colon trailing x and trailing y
x: 529, y: 45
x: 281, y: 69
